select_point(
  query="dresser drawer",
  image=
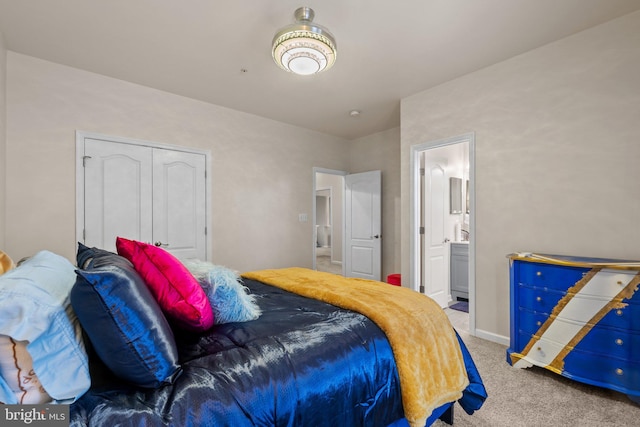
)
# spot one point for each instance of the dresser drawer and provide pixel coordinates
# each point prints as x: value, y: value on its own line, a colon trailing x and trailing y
x: 548, y: 276
x: 531, y: 321
x: 606, y: 371
x: 607, y: 283
x: 538, y: 300
x: 621, y: 344
x: 624, y: 318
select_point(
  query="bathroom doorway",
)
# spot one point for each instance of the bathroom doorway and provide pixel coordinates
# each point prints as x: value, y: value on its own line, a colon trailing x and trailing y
x: 328, y: 217
x: 324, y: 233
x: 455, y: 221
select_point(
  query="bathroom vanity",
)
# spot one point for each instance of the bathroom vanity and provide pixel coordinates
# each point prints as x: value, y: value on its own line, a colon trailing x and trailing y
x: 459, y: 271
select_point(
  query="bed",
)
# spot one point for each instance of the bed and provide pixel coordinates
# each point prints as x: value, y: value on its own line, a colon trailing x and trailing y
x: 305, y: 361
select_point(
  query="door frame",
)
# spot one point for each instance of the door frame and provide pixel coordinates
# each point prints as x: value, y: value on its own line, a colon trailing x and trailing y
x: 80, y: 199
x: 317, y: 170
x: 414, y: 215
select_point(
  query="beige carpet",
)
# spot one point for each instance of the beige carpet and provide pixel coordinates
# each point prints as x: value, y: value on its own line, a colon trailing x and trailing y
x: 535, y: 397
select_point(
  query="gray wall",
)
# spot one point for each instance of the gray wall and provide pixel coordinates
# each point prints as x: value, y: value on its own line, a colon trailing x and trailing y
x: 262, y: 170
x: 557, y: 146
x: 381, y: 151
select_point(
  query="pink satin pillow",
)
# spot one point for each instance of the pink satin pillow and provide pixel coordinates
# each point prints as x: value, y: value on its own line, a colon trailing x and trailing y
x: 177, y: 291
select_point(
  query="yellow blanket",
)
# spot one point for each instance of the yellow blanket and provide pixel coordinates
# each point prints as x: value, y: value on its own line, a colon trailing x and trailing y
x: 428, y: 357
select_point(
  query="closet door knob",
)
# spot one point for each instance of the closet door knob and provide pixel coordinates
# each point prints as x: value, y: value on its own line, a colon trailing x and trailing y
x: 159, y: 243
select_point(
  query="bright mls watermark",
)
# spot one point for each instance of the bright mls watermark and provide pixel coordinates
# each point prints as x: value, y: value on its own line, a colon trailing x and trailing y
x: 34, y: 415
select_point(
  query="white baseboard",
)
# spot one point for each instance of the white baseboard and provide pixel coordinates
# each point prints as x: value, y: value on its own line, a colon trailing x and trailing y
x: 490, y: 336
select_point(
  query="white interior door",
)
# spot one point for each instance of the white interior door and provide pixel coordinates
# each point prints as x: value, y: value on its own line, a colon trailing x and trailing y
x: 363, y: 227
x: 154, y: 195
x: 435, y: 271
x: 178, y: 203
x: 118, y: 193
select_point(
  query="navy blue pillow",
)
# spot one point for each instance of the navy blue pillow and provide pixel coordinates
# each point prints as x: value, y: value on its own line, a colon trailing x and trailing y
x: 122, y: 319
x: 88, y: 258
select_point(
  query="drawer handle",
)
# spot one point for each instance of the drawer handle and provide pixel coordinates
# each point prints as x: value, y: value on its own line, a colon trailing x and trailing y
x: 619, y: 371
x: 538, y: 323
x: 619, y: 341
x: 538, y: 273
x: 619, y: 312
x: 538, y: 299
x: 620, y: 282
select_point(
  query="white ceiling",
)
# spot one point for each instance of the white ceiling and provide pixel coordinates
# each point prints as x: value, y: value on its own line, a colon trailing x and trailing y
x: 387, y: 50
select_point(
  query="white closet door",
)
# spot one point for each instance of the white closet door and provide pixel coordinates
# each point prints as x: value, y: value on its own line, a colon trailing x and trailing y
x: 118, y: 193
x: 140, y: 192
x: 179, y: 203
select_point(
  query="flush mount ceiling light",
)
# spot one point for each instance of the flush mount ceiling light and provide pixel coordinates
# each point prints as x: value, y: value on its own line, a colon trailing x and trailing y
x: 304, y: 47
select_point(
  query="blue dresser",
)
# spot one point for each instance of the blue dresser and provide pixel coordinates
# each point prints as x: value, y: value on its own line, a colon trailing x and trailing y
x: 577, y: 317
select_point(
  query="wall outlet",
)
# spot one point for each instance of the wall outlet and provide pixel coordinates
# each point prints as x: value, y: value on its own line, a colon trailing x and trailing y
x: 303, y: 217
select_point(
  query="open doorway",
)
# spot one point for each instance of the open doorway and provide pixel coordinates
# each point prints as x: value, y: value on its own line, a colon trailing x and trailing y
x: 347, y: 231
x: 442, y: 221
x: 328, y: 220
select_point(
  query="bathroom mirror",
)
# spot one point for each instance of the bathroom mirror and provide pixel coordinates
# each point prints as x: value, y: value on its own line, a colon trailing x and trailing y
x: 455, y: 195
x: 468, y: 203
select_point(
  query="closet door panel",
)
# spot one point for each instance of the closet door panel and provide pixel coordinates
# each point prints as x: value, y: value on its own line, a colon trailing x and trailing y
x: 179, y: 203
x: 117, y: 193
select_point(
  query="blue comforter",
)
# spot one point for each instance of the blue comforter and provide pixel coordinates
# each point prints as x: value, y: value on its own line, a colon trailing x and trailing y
x: 302, y: 363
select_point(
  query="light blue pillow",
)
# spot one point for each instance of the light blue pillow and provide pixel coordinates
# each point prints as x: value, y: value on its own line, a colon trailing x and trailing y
x: 35, y: 307
x: 229, y: 298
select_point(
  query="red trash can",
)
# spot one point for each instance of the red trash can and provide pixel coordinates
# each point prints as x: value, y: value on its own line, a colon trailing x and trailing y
x: 394, y: 279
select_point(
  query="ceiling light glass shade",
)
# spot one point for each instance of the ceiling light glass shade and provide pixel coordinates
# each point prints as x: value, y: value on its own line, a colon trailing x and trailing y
x: 304, y: 47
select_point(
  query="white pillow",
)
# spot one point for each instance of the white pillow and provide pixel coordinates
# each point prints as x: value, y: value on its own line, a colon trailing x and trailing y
x: 35, y: 307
